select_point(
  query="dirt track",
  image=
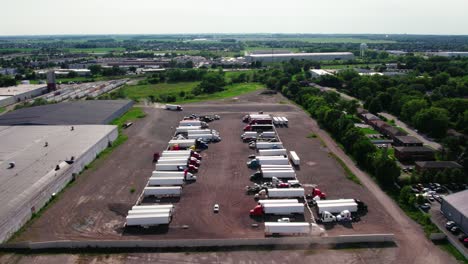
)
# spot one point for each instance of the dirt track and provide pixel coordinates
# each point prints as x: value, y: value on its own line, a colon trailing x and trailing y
x: 95, y: 206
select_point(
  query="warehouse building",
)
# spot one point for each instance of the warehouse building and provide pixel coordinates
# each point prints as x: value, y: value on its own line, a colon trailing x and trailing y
x: 455, y: 208
x: 411, y: 154
x: 68, y: 113
x: 435, y: 166
x: 280, y: 57
x: 315, y: 73
x: 15, y: 94
x: 407, y: 141
x: 36, y: 162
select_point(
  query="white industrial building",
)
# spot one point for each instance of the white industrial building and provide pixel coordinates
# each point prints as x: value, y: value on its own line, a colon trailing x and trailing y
x: 15, y: 94
x: 315, y: 73
x: 451, y: 54
x: 279, y: 57
x: 36, y: 151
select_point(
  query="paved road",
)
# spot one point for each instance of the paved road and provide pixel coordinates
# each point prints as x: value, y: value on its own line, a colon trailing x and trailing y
x: 412, y: 132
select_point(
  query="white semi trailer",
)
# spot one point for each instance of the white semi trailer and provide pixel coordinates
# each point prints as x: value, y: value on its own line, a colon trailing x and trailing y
x: 174, y: 174
x: 151, y: 211
x: 193, y: 123
x: 175, y: 167
x: 162, y: 191
x: 278, y: 201
x: 153, y: 206
x: 280, y: 228
x: 294, y: 158
x: 272, y: 152
x: 205, y: 137
x: 166, y: 181
x: 267, y: 145
x: 277, y: 209
x: 286, y: 192
x: 265, y: 160
x: 183, y: 143
x: 185, y: 129
x: 270, y: 173
x: 336, y: 208
x: 148, y: 220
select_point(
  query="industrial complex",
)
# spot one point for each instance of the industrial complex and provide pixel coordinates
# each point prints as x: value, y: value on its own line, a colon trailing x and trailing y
x: 19, y: 93
x: 279, y: 57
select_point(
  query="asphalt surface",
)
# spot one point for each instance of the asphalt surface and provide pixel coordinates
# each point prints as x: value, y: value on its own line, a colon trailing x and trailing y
x: 95, y: 206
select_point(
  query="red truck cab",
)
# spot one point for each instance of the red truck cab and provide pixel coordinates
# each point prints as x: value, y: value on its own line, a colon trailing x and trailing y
x: 317, y: 192
x: 248, y: 128
x: 196, y: 155
x: 257, y: 211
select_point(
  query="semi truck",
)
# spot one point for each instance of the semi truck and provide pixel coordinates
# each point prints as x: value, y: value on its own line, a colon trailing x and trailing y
x: 176, y: 167
x: 268, y: 174
x: 266, y: 145
x: 148, y: 220
x: 273, y: 152
x: 278, y: 201
x: 205, y: 137
x: 166, y: 181
x: 336, y: 208
x: 361, y: 206
x: 151, y: 211
x: 286, y: 192
x: 185, y: 129
x: 294, y: 158
x: 174, y: 174
x: 258, y: 128
x: 327, y: 217
x: 248, y: 118
x: 197, y: 123
x: 162, y: 191
x: 153, y: 206
x: 173, y: 107
x: 282, y: 228
x: 277, y: 209
x: 257, y: 162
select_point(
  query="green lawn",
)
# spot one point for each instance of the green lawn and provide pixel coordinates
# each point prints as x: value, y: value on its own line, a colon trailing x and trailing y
x: 345, y: 66
x: 137, y: 92
x: 95, y: 50
x: 2, y: 109
x: 368, y: 131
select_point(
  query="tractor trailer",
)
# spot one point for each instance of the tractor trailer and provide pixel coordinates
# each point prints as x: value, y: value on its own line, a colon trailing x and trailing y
x: 266, y: 145
x: 162, y: 191
x: 166, y: 181
x: 281, y: 228
x: 257, y: 162
x: 336, y: 208
x: 197, y: 123
x: 150, y: 211
x: 148, y: 220
x: 277, y: 209
x: 278, y: 201
x: 174, y: 174
x: 173, y: 107
x: 185, y: 129
x: 153, y: 206
x: 270, y: 173
x: 176, y: 167
x: 272, y: 152
x: 205, y: 137
x: 286, y: 192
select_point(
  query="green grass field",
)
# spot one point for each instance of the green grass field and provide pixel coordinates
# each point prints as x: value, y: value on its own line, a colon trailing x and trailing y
x: 138, y: 92
x: 344, y: 66
x: 338, y: 40
x: 368, y: 131
x: 96, y: 50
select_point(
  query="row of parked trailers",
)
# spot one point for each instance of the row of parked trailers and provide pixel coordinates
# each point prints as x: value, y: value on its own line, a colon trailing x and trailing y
x: 174, y: 166
x: 273, y: 163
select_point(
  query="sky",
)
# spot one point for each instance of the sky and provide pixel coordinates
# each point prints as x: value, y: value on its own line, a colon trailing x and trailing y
x: 51, y: 17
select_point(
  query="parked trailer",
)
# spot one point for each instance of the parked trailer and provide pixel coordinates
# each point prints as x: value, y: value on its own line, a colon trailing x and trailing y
x: 148, y: 220
x: 173, y: 107
x: 176, y: 167
x: 337, y: 208
x: 286, y: 192
x: 174, y: 174
x: 278, y: 201
x: 277, y: 167
x: 205, y: 137
x: 193, y: 123
x: 183, y: 143
x: 185, y: 129
x: 258, y: 128
x: 268, y: 174
x: 276, y: 120
x: 202, y: 131
x: 272, y: 152
x: 268, y: 134
x: 360, y: 204
x: 153, y: 206
x: 285, y: 121
x: 256, y: 163
x: 162, y: 191
x: 249, y: 134
x: 267, y: 145
x: 294, y: 158
x: 174, y: 160
x: 183, y: 153
x: 277, y: 209
x: 279, y: 228
x: 166, y: 181
x: 151, y: 211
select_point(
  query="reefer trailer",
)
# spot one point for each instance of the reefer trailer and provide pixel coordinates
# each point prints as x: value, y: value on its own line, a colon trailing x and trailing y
x: 295, y: 228
x: 336, y: 208
x: 286, y: 192
x: 153, y: 206
x: 174, y: 174
x: 272, y: 152
x: 268, y: 174
x: 162, y: 191
x: 266, y: 145
x: 277, y: 209
x: 278, y: 201
x: 176, y: 167
x: 148, y: 220
x: 166, y: 181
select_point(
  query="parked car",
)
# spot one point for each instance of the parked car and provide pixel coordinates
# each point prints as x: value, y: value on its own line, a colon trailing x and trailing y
x: 455, y: 230
x: 425, y: 207
x: 449, y: 225
x: 462, y: 237
x: 216, y: 208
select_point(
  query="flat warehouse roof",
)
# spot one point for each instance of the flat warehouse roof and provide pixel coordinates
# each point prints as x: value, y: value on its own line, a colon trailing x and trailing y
x: 68, y: 113
x: 22, y: 88
x: 458, y: 201
x: 35, y: 163
x: 302, y: 54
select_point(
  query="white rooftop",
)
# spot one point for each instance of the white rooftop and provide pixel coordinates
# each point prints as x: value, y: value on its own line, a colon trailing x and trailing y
x: 301, y: 54
x: 19, y: 89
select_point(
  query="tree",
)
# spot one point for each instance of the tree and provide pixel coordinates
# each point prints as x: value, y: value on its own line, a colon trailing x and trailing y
x: 375, y: 106
x: 72, y: 74
x: 212, y: 82
x: 433, y: 121
x: 386, y: 170
x: 405, y: 194
x: 411, y: 107
x: 95, y: 69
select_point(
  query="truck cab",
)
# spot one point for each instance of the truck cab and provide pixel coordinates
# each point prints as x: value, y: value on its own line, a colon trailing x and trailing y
x: 327, y: 217
x: 256, y: 175
x: 253, y: 164
x: 317, y: 192
x: 257, y: 211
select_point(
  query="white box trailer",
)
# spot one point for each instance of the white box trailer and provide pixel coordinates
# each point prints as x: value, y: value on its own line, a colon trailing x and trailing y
x: 281, y: 228
x: 252, y: 134
x: 153, y: 206
x: 285, y: 121
x: 283, y: 209
x: 268, y: 145
x: 166, y: 181
x: 151, y: 211
x: 336, y: 201
x: 187, y: 175
x: 183, y: 143
x: 185, y: 129
x: 277, y: 167
x: 173, y: 107
x: 268, y: 134
x: 171, y: 167
x: 205, y: 137
x: 274, y: 157
x: 276, y: 120
x: 148, y: 220
x: 193, y: 123
x: 268, y: 174
x: 178, y: 161
x: 272, y: 152
x: 336, y: 208
x: 162, y: 191
x: 286, y: 192
x: 202, y: 131
x: 278, y: 201
x: 294, y: 158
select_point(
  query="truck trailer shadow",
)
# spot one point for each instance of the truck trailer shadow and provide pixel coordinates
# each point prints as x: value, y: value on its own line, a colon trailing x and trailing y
x: 161, y: 200
x: 142, y: 231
